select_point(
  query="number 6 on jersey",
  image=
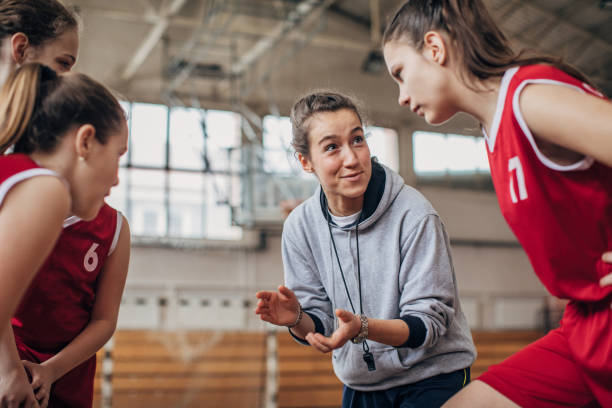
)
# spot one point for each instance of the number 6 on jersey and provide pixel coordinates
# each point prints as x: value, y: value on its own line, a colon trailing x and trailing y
x: 91, y: 258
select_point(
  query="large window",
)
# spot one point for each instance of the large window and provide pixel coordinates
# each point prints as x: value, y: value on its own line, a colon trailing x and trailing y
x: 202, y: 140
x: 175, y: 179
x: 279, y: 155
x: 384, y: 145
x: 187, y: 138
x: 451, y: 159
x: 223, y: 129
x: 186, y: 171
x: 148, y: 135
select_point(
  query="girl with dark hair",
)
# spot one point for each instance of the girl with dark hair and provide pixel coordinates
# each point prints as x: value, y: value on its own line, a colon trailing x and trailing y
x: 70, y: 308
x: 67, y: 134
x: 548, y: 136
x: 368, y: 270
x: 41, y: 31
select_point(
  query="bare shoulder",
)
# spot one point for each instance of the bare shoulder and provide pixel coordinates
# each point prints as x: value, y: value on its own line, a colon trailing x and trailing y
x: 119, y: 257
x: 543, y: 102
x: 47, y: 194
x: 124, y: 234
x: 566, y: 117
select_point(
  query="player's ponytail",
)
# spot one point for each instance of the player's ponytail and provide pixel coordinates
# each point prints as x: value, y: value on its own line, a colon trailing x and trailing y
x: 38, y: 107
x: 18, y: 99
x: 479, y: 46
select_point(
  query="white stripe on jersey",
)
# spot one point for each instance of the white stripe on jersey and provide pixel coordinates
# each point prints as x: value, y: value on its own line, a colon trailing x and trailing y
x: 73, y: 219
x: 21, y: 176
x: 501, y: 101
x: 583, y: 164
x: 117, y: 232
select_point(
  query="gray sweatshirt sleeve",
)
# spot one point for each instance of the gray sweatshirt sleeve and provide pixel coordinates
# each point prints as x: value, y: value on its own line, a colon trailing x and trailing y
x: 427, y: 282
x: 303, y: 279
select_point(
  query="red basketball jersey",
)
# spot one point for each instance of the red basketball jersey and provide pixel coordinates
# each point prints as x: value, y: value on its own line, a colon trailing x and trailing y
x: 58, y: 304
x: 15, y: 168
x: 561, y: 214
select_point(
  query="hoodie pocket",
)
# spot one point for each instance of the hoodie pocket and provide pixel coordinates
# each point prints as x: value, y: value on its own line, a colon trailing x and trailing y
x: 352, y: 370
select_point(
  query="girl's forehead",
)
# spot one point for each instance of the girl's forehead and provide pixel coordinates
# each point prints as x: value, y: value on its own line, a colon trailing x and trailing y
x: 333, y: 119
x: 68, y: 41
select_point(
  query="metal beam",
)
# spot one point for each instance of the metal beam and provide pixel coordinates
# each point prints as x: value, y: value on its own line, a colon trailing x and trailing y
x: 554, y: 16
x: 375, y: 22
x: 354, y: 18
x: 184, y: 73
x: 532, y: 37
x: 246, y: 30
x: 151, y: 39
x: 207, y: 12
x: 148, y: 16
x: 507, y: 10
x: 148, y: 6
x: 252, y: 117
x: 302, y: 11
x: 542, y: 30
x: 277, y: 63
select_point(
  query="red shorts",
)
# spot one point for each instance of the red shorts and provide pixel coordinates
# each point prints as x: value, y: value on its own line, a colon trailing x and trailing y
x: 569, y: 367
x: 73, y: 390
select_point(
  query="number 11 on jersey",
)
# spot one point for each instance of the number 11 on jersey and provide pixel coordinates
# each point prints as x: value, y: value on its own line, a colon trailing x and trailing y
x: 515, y: 167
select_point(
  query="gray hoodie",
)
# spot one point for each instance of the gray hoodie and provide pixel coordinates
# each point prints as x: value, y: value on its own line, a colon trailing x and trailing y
x: 406, y: 272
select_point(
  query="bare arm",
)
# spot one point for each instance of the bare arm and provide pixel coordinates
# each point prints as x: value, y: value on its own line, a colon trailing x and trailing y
x: 31, y: 220
x: 393, y: 332
x: 281, y: 308
x: 105, y: 312
x: 579, y: 122
x: 15, y: 389
x: 568, y: 118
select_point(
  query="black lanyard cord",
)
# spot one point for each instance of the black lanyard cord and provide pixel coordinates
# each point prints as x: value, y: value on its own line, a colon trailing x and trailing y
x: 366, y: 347
x: 341, y: 272
x: 358, y: 267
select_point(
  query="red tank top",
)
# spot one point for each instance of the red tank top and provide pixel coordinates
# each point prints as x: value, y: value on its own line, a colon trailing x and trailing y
x: 561, y: 215
x: 15, y: 168
x: 58, y: 304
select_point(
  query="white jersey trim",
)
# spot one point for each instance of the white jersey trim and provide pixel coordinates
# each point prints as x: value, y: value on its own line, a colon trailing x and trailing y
x: 21, y: 176
x: 583, y: 164
x: 71, y: 221
x: 117, y: 232
x: 499, y: 110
